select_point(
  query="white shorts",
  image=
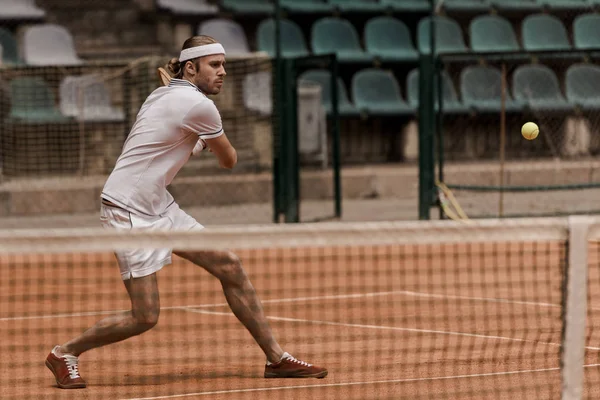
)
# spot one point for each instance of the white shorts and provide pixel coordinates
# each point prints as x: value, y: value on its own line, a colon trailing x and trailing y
x: 143, y: 262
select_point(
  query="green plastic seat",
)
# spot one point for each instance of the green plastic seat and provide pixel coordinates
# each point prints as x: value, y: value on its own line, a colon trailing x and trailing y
x: 448, y: 35
x: 516, y: 5
x: 249, y: 6
x: 306, y: 6
x: 566, y: 5
x: 491, y: 33
x: 582, y: 86
x: 481, y: 89
x: 292, y: 39
x: 339, y: 36
x: 538, y: 87
x: 466, y: 5
x: 407, y: 5
x: 450, y: 101
x: 586, y: 32
x: 544, y: 32
x: 323, y: 78
x: 389, y: 39
x: 10, y: 49
x: 33, y: 102
x: 357, y: 5
x: 378, y: 93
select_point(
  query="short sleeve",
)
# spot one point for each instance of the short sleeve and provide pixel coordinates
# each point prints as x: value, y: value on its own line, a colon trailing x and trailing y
x: 204, y: 120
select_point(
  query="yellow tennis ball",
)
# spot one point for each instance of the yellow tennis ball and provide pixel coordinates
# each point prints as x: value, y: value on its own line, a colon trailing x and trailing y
x: 530, y: 131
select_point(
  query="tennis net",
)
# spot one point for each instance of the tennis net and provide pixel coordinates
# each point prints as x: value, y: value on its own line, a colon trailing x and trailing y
x: 494, y: 309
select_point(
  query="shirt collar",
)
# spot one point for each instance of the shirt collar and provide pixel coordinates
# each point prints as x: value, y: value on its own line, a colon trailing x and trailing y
x: 182, y: 83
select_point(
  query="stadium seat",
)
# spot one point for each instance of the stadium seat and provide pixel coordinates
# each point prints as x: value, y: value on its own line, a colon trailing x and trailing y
x: 229, y: 33
x: 475, y: 6
x: 560, y: 5
x: 378, y: 93
x: 49, y: 44
x: 420, y: 6
x: 357, y: 5
x: 490, y: 33
x: 538, y: 87
x: 516, y: 5
x: 451, y: 103
x: 306, y: 6
x: 586, y: 31
x: 323, y: 78
x: 582, y: 82
x: 258, y: 92
x: 10, y: 50
x: 389, y: 39
x: 544, y: 32
x: 292, y: 38
x: 335, y: 35
x: 449, y: 37
x: 20, y: 10
x: 481, y: 89
x: 188, y: 7
x: 96, y: 103
x: 33, y: 102
x: 248, y: 6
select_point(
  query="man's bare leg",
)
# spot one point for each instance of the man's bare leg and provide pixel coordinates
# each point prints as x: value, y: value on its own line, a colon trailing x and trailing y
x: 145, y: 309
x: 240, y: 295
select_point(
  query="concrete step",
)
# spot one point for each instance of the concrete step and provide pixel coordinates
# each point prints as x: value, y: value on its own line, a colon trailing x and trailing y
x: 228, y: 188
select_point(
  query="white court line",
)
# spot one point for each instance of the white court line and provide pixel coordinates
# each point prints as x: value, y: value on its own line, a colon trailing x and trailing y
x: 406, y: 380
x: 300, y: 299
x: 284, y: 300
x: 486, y: 299
x: 389, y: 328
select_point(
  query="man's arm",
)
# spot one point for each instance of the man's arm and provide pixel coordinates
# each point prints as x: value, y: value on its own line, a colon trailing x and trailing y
x: 204, y: 120
x: 224, y: 151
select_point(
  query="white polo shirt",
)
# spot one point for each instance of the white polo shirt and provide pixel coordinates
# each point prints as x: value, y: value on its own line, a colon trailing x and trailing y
x: 161, y: 141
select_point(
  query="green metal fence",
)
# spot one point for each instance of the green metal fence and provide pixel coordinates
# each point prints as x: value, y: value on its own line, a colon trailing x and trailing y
x: 479, y: 154
x: 286, y: 155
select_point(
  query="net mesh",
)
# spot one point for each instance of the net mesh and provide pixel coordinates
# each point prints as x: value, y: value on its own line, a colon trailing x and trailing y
x: 393, y: 310
x: 540, y: 61
x: 63, y: 129
x: 65, y: 121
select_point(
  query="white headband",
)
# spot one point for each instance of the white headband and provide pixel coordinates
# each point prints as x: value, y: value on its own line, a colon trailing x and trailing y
x: 201, y: 51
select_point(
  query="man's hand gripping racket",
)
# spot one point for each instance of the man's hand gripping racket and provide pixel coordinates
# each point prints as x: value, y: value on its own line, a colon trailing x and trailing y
x: 165, y: 79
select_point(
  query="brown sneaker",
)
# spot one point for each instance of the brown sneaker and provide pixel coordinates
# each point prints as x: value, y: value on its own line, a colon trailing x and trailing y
x: 65, y: 370
x: 289, y: 367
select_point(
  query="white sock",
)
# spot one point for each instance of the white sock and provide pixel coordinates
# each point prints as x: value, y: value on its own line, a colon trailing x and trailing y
x: 284, y: 355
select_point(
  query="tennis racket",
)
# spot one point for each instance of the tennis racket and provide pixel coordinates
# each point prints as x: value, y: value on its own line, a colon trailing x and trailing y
x: 163, y: 76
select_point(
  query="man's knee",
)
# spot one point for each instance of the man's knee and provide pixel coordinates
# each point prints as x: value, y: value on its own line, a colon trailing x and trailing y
x: 146, y: 319
x: 232, y: 271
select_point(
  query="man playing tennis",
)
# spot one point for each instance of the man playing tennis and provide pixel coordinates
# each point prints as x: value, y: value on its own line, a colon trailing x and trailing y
x: 174, y: 122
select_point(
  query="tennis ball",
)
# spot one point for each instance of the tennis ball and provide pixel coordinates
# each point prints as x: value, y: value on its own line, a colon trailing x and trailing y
x: 530, y: 131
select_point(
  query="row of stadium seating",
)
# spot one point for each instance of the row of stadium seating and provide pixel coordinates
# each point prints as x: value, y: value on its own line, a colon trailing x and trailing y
x: 33, y: 101
x: 43, y: 44
x: 374, y: 91
x: 385, y: 37
x: 329, y: 6
x: 389, y: 38
x: 533, y: 87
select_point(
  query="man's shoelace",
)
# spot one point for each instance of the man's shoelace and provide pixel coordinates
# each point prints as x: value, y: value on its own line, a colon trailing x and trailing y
x: 72, y: 366
x: 294, y: 360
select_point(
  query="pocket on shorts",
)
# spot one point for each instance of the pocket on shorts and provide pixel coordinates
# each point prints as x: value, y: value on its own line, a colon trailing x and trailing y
x: 111, y: 217
x: 150, y: 223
